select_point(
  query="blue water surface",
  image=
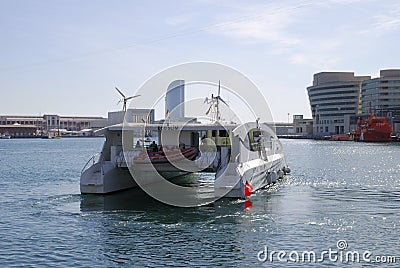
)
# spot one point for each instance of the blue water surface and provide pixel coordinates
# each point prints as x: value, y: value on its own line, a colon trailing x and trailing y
x: 337, y: 191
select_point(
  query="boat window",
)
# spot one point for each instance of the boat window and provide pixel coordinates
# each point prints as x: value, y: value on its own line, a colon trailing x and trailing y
x: 214, y: 133
x: 203, y: 134
x: 223, y: 133
x: 256, y: 135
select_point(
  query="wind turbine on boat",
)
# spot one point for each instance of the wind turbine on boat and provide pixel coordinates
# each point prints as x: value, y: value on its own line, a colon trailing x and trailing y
x: 125, y: 99
x: 214, y: 103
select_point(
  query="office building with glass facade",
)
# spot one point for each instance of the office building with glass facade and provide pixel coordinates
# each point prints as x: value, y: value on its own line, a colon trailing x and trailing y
x: 338, y: 99
x: 335, y: 102
x: 381, y: 96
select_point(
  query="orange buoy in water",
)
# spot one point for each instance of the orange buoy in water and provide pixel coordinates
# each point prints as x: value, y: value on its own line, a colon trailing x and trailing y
x: 248, y: 189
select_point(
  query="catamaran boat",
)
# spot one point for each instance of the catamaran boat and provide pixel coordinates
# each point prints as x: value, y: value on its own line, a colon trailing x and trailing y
x: 238, y: 155
x: 241, y: 157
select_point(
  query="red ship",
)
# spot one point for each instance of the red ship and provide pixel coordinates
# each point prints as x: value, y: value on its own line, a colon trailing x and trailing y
x: 373, y: 129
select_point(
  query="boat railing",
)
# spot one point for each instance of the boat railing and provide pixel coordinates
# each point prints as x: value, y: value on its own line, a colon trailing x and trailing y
x: 93, y: 160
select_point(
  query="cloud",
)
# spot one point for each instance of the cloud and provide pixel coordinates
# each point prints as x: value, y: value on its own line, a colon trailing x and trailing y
x: 261, y: 25
x: 321, y: 53
x: 389, y: 20
x: 315, y: 33
x: 273, y: 26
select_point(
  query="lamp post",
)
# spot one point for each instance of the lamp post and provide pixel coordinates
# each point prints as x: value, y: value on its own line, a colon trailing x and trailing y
x: 143, y: 134
x: 316, y: 118
x: 391, y: 117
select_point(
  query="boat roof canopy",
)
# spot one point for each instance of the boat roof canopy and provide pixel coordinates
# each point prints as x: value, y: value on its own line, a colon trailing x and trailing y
x: 155, y: 127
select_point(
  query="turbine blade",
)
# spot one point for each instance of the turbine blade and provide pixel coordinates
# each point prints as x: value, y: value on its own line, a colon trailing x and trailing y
x: 131, y: 97
x: 222, y: 100
x: 208, y: 111
x: 120, y: 92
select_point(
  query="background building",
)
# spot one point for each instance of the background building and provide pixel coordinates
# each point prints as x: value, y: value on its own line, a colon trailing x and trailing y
x: 302, y: 127
x: 283, y: 129
x: 338, y: 99
x: 335, y: 102
x: 381, y: 96
x: 48, y: 122
x: 77, y: 123
x: 18, y: 131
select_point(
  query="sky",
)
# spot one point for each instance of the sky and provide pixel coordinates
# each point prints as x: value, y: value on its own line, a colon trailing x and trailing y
x: 66, y: 57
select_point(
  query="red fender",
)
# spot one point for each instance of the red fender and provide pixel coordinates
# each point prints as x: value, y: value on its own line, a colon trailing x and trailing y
x: 248, y: 189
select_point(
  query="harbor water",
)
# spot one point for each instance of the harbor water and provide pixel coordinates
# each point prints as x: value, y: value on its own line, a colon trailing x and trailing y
x: 341, y: 196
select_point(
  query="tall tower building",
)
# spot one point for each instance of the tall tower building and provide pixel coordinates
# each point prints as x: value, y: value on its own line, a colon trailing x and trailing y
x: 175, y: 100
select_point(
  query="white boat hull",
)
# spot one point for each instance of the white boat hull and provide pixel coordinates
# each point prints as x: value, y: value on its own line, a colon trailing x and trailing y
x: 257, y: 172
x: 103, y: 179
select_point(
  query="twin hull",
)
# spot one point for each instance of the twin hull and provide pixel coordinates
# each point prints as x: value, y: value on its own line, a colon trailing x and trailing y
x: 103, y: 178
